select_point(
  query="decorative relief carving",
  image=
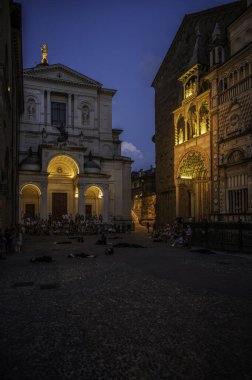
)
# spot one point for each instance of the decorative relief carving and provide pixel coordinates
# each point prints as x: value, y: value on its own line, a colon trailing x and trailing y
x: 235, y: 122
x: 235, y: 156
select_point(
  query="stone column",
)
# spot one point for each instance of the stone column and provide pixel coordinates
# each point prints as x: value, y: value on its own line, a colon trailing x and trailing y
x: 44, y: 202
x: 81, y: 203
x: 216, y: 54
x: 42, y: 108
x: 211, y: 58
x: 177, y: 201
x: 105, y: 210
x: 69, y: 110
x: 75, y: 119
x: 49, y: 108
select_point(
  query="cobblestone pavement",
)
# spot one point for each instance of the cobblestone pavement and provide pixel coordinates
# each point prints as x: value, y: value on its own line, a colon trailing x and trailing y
x: 143, y: 313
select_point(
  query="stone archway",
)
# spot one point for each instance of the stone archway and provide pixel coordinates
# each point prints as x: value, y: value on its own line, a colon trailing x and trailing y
x: 63, y: 173
x: 30, y: 201
x: 192, y: 187
x: 93, y: 201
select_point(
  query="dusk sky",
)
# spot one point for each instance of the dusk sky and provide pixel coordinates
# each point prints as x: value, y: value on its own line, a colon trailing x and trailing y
x: 116, y: 42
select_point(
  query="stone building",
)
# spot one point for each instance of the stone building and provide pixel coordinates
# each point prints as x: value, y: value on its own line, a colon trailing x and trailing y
x: 11, y: 105
x: 143, y: 195
x: 70, y: 158
x: 203, y: 118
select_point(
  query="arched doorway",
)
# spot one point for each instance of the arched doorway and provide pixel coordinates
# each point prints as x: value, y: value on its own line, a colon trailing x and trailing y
x: 30, y: 201
x: 192, y: 187
x: 62, y: 186
x: 93, y: 201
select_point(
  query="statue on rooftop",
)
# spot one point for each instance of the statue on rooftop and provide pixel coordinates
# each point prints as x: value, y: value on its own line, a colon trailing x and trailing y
x: 44, y: 51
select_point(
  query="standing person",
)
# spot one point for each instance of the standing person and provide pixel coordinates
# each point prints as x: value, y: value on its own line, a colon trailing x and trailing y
x: 19, y: 240
x: 188, y: 236
x: 148, y: 226
x: 7, y: 240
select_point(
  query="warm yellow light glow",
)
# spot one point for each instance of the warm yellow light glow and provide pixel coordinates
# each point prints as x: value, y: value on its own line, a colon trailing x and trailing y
x: 44, y: 52
x: 76, y: 195
x: 186, y: 177
x: 63, y: 166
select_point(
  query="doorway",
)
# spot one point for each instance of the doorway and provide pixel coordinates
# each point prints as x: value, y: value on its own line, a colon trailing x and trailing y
x: 59, y: 205
x: 88, y: 209
x: 30, y: 210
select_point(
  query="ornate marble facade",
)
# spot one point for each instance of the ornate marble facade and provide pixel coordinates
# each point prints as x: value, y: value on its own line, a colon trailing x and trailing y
x: 205, y: 167
x: 70, y: 157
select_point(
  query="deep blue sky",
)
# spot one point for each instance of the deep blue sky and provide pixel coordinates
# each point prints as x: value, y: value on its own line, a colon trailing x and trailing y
x: 120, y: 43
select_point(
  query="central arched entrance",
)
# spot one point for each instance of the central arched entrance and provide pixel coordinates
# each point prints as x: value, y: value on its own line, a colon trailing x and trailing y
x: 192, y: 187
x: 62, y: 186
x: 93, y: 201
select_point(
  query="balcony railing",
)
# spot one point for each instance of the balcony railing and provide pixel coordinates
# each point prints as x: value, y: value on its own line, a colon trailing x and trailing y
x: 235, y: 90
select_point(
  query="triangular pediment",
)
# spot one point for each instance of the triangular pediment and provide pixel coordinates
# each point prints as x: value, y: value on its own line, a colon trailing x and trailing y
x: 60, y: 73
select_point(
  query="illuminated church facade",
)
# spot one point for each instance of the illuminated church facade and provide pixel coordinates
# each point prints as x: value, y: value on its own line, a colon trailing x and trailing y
x: 70, y: 158
x: 203, y: 132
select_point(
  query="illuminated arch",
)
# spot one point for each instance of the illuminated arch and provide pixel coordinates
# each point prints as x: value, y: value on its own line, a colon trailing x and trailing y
x: 94, y: 191
x: 63, y: 166
x: 192, y: 165
x: 31, y: 186
x: 93, y: 200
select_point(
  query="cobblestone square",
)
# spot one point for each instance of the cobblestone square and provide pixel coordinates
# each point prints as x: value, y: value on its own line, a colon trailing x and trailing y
x: 142, y: 313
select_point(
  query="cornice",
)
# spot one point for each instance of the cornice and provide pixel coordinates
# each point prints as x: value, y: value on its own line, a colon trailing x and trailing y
x: 59, y: 66
x: 60, y: 81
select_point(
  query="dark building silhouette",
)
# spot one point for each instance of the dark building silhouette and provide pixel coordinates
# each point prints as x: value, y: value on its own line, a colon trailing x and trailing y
x: 11, y: 105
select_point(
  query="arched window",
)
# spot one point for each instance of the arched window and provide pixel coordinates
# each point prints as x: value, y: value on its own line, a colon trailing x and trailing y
x: 181, y: 130
x: 203, y: 119
x: 192, y: 125
x: 190, y: 87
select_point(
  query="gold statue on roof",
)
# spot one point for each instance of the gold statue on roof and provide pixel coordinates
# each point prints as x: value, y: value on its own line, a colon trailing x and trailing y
x: 44, y: 51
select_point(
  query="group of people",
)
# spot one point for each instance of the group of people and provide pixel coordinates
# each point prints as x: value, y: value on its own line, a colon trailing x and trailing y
x: 69, y: 225
x: 177, y: 234
x: 11, y: 240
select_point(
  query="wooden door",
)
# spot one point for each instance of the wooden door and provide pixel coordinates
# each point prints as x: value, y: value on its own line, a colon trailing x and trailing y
x: 88, y: 211
x: 30, y: 210
x: 59, y: 205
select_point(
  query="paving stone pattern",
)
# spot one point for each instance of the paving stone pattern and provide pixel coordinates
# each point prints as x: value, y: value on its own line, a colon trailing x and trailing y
x: 153, y: 313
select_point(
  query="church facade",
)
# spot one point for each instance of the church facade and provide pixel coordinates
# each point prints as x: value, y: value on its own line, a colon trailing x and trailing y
x: 70, y: 158
x: 203, y: 132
